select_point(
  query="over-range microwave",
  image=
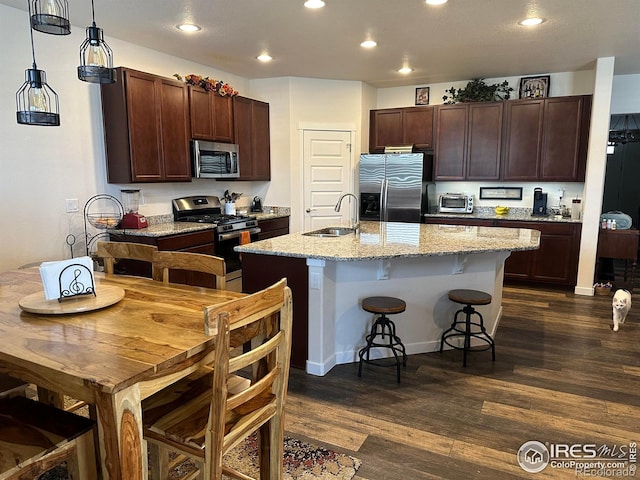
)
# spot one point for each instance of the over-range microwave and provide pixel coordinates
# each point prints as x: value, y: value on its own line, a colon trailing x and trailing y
x: 214, y: 159
x: 455, y: 203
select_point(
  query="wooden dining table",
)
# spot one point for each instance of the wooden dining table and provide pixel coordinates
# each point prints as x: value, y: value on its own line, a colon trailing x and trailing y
x: 113, y: 357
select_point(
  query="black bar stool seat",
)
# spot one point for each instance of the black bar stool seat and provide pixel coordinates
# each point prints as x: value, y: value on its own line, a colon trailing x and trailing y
x: 385, y: 330
x: 462, y: 328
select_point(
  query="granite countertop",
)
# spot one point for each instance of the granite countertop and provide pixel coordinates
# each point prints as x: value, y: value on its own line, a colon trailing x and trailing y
x: 515, y: 214
x: 163, y: 225
x: 377, y: 240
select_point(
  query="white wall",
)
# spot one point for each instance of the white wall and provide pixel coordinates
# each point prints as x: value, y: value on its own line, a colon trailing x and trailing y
x: 625, y: 97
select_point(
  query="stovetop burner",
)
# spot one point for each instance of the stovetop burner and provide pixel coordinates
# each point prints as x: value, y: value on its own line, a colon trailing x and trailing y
x: 216, y: 218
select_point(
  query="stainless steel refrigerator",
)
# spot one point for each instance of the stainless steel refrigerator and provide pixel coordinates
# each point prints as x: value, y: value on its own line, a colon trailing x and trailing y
x: 392, y: 187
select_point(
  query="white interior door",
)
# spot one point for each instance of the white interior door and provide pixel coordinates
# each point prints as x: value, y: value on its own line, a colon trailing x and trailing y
x: 327, y: 174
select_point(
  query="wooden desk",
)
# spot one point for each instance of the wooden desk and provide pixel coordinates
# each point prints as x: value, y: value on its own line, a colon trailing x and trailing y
x: 113, y: 357
x: 619, y: 244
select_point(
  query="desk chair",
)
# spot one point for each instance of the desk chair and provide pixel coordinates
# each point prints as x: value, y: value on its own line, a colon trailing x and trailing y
x: 164, y: 261
x: 203, y: 418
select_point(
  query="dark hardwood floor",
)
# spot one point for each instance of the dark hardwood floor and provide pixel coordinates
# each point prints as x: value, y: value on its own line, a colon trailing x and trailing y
x: 561, y: 375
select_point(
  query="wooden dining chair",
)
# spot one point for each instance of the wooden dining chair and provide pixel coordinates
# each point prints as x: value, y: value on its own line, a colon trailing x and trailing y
x: 165, y: 261
x: 203, y: 417
x: 12, y: 387
x: 111, y: 252
x: 34, y: 438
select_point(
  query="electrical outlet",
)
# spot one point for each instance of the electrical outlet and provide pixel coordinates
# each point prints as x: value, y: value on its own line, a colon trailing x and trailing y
x: 71, y: 205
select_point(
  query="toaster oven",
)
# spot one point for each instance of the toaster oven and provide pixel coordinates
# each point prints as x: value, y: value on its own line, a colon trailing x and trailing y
x: 455, y: 203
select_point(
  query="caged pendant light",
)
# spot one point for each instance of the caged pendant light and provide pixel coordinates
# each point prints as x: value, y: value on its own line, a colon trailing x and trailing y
x: 50, y: 16
x: 36, y: 102
x: 96, y: 58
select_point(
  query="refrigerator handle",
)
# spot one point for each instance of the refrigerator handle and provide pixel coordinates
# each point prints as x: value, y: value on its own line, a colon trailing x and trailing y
x: 383, y: 200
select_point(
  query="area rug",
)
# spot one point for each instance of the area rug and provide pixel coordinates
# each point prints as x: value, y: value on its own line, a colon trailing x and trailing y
x: 302, y: 461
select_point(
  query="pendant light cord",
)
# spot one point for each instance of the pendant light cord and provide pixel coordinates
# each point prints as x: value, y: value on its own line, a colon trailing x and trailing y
x: 33, y: 51
x: 93, y: 14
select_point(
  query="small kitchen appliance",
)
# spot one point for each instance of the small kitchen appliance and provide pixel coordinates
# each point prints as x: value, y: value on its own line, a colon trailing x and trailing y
x: 455, y: 203
x: 131, y: 202
x: 539, y: 203
x: 256, y: 204
x: 214, y: 160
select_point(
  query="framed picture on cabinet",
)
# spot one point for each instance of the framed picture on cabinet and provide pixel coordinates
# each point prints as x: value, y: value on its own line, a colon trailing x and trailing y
x: 535, y: 87
x: 422, y: 96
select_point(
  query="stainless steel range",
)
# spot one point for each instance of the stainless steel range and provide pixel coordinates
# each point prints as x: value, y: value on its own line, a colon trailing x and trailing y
x: 229, y: 230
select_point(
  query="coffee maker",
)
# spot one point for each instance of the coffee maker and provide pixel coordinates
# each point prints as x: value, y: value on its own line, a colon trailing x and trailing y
x: 539, y: 202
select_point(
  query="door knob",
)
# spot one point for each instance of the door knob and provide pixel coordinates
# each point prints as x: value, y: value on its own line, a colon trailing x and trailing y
x: 309, y: 210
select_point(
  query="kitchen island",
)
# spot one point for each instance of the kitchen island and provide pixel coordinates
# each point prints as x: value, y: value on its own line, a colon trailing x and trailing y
x: 419, y: 263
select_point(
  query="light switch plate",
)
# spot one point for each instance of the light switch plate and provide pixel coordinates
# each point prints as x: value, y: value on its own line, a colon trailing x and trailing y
x: 71, y: 205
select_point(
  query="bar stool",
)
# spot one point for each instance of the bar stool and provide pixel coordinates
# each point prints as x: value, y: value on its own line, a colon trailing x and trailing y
x: 462, y: 328
x: 383, y: 306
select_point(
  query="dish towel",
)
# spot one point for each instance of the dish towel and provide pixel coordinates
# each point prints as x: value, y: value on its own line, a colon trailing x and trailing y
x: 245, y: 238
x: 60, y: 281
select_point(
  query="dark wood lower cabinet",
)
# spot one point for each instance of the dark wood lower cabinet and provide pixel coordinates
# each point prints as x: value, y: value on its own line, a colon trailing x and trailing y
x: 260, y: 271
x: 273, y: 227
x: 554, y: 263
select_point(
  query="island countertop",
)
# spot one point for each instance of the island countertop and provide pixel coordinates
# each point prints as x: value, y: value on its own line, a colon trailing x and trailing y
x: 379, y: 240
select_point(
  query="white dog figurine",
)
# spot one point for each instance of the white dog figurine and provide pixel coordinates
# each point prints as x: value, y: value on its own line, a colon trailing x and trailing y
x: 621, y: 305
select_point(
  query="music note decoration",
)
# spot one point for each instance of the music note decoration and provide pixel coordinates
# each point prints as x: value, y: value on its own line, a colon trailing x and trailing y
x: 78, y: 280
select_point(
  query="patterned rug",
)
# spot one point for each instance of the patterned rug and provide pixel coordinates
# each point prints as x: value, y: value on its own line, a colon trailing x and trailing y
x: 302, y: 461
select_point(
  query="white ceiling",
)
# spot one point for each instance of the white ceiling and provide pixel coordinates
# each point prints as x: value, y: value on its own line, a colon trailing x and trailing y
x: 460, y: 40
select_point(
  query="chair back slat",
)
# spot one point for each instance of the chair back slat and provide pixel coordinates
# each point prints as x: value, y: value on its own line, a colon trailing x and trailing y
x: 165, y: 261
x: 111, y: 252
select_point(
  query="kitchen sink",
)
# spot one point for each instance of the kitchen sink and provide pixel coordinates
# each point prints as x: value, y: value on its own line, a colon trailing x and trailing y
x: 330, y: 232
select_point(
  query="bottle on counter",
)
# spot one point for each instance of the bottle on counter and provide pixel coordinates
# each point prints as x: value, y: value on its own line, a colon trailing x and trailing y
x: 576, y: 209
x: 603, y: 225
x: 608, y: 224
x: 613, y: 224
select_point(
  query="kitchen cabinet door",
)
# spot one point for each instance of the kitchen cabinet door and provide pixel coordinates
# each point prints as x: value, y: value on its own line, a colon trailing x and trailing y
x: 146, y: 124
x: 418, y: 127
x: 563, y: 154
x: 211, y: 116
x: 522, y: 139
x: 385, y: 128
x: 484, y: 141
x: 451, y: 141
x: 251, y: 129
x: 273, y: 227
x: 174, y: 131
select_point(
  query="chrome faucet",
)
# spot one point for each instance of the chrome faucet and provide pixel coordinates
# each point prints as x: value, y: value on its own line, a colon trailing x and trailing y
x: 353, y: 221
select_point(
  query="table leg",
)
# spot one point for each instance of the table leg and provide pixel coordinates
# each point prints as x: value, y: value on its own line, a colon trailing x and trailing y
x: 123, y: 452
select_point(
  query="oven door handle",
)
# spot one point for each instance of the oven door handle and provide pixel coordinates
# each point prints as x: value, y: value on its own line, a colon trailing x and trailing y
x: 231, y: 235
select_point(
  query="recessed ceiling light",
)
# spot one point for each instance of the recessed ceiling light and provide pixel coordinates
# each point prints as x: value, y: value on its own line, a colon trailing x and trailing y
x: 314, y: 4
x: 369, y: 44
x: 530, y: 22
x: 188, y: 27
x: 435, y: 2
x: 405, y: 70
x: 265, y: 57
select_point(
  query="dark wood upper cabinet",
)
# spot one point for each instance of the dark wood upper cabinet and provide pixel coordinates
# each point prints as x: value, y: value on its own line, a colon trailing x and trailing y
x: 146, y: 127
x: 564, y: 139
x: 401, y: 126
x: 468, y: 141
x: 211, y: 116
x: 251, y: 130
x: 546, y: 139
x: 522, y: 139
x: 451, y: 137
